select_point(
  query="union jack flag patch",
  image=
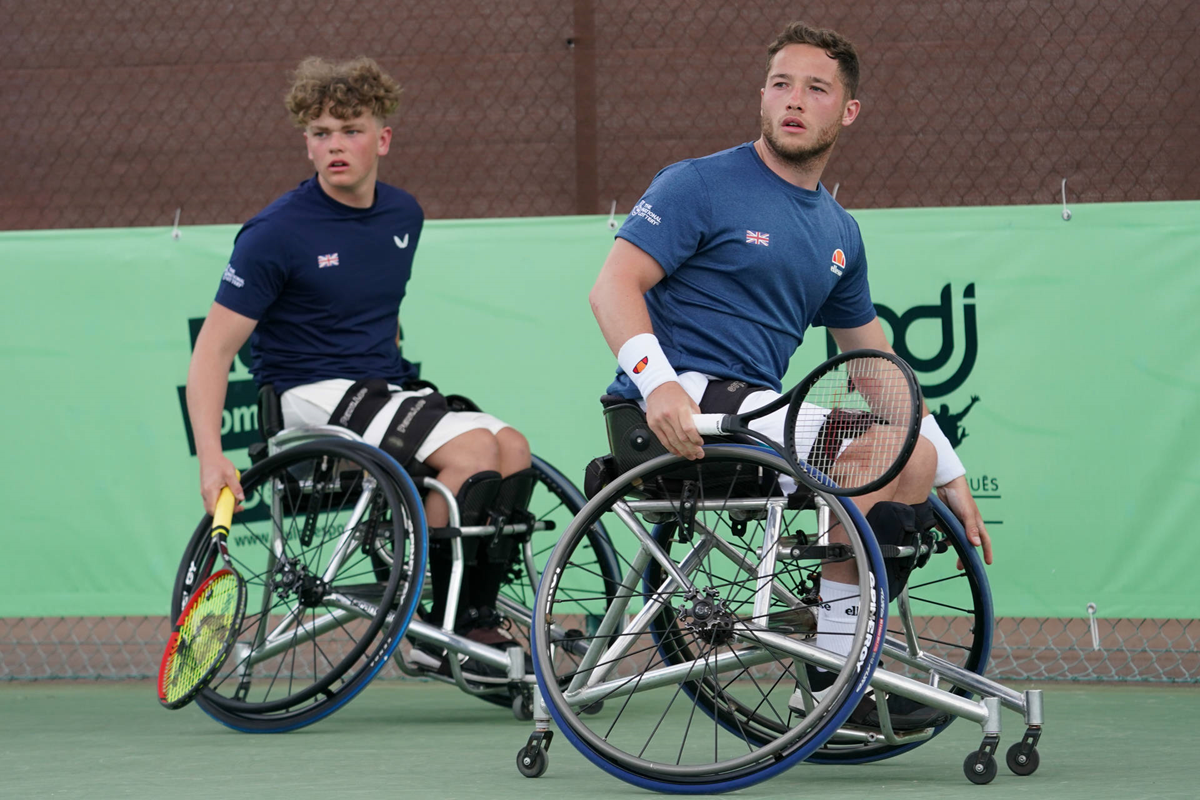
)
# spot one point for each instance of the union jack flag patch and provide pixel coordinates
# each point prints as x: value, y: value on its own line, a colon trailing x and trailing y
x: 754, y: 237
x: 330, y: 260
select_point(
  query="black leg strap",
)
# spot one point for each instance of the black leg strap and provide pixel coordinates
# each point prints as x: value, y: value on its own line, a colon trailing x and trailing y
x: 359, y: 405
x: 411, y: 424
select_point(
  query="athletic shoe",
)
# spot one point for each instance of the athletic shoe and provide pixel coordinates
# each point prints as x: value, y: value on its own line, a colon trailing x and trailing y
x: 905, y: 714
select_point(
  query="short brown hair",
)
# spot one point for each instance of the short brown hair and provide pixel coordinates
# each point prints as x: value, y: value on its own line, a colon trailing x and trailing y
x: 345, y: 90
x: 833, y: 43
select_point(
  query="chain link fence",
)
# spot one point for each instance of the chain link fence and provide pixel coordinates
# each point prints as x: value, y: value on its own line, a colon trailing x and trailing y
x: 120, y: 113
x: 1029, y: 649
x: 124, y: 112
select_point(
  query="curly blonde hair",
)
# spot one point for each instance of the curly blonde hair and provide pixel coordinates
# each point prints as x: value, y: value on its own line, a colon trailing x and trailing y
x: 345, y: 90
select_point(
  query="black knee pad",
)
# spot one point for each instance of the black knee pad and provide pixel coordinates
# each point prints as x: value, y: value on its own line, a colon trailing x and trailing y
x: 476, y: 497
x: 895, y: 525
x: 926, y: 520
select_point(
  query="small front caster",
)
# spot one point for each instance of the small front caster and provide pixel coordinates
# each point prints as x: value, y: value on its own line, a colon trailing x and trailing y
x: 522, y: 707
x: 532, y: 762
x: 1022, y: 758
x: 532, y: 759
x: 980, y: 767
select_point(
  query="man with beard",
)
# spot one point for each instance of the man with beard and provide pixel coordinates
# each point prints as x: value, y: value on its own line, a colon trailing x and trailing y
x: 722, y: 266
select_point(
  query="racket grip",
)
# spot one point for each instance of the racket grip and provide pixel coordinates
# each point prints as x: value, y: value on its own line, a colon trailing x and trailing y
x: 711, y: 424
x: 223, y: 511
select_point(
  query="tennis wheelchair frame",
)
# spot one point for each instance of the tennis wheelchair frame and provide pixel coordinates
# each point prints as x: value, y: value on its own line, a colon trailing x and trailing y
x: 715, y: 612
x: 334, y: 546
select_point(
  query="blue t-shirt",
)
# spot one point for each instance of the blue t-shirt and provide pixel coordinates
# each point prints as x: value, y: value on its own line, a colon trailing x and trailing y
x: 325, y: 281
x: 751, y: 262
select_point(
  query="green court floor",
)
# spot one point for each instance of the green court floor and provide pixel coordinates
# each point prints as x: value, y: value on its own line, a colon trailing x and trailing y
x: 419, y: 740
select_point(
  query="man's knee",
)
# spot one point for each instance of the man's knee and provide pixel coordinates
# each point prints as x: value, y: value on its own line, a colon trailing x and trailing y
x: 514, y: 448
x: 918, y: 472
x: 470, y: 452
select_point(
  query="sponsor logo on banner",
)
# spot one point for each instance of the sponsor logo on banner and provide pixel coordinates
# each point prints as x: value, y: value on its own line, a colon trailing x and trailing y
x: 947, y: 370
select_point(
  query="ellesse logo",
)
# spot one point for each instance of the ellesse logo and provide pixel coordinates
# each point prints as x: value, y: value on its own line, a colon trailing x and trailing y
x: 641, y: 365
x: 839, y: 262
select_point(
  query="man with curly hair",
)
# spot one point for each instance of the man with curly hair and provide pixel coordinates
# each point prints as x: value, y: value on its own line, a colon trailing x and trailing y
x: 315, y: 282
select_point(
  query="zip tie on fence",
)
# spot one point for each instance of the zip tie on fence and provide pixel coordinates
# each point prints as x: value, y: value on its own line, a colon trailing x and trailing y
x: 175, y: 232
x: 1091, y: 609
x: 612, y: 217
x: 1066, y: 211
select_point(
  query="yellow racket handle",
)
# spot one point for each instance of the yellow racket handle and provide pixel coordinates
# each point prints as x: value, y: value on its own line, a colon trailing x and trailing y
x: 223, y: 512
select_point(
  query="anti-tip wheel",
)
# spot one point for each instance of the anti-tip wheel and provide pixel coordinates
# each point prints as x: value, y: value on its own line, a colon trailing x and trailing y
x: 1028, y: 766
x: 533, y: 765
x: 977, y: 772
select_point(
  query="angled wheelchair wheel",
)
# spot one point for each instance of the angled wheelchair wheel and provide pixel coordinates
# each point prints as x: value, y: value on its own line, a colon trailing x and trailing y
x: 949, y: 616
x: 332, y: 547
x: 715, y: 633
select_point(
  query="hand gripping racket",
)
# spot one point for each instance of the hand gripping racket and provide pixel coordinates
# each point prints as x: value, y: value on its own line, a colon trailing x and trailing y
x: 850, y: 425
x: 208, y: 624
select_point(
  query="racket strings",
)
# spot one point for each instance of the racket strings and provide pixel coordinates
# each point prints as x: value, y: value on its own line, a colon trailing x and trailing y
x: 204, y: 633
x: 853, y: 424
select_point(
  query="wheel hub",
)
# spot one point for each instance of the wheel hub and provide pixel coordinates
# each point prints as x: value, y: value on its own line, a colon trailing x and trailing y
x: 293, y: 577
x: 707, y: 617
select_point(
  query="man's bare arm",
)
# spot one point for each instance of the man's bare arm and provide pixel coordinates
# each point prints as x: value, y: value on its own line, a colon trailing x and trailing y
x: 866, y: 337
x: 223, y: 334
x: 619, y: 304
x: 957, y: 493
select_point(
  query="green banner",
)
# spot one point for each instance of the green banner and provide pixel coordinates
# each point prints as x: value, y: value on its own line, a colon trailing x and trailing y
x: 1074, y: 413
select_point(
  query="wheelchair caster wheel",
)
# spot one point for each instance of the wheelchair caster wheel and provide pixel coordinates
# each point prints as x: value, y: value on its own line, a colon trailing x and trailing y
x: 979, y: 769
x: 522, y: 707
x: 1022, y: 763
x: 532, y: 763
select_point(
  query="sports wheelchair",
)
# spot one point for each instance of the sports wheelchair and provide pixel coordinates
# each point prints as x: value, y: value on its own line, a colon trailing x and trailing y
x: 334, y: 548
x: 698, y: 671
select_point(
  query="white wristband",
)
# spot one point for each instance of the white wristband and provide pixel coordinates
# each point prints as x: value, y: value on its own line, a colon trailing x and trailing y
x: 949, y: 465
x: 643, y: 361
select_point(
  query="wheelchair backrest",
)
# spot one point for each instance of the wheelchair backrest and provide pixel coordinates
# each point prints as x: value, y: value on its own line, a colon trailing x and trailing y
x: 270, y: 412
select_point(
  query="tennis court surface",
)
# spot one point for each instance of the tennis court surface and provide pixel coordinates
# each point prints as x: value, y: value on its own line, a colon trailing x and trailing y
x: 421, y: 740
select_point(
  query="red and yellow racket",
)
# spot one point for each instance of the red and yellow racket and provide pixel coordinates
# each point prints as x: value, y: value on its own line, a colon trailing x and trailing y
x: 208, y: 625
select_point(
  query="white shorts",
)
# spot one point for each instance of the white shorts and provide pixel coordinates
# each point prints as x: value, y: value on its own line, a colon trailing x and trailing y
x: 771, y: 426
x: 313, y: 403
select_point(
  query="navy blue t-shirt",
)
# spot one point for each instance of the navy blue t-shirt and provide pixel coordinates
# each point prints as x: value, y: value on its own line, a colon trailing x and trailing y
x: 751, y: 262
x: 325, y: 281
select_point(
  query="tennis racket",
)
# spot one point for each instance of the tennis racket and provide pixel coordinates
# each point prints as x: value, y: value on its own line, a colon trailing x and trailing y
x: 850, y: 425
x: 208, y: 625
